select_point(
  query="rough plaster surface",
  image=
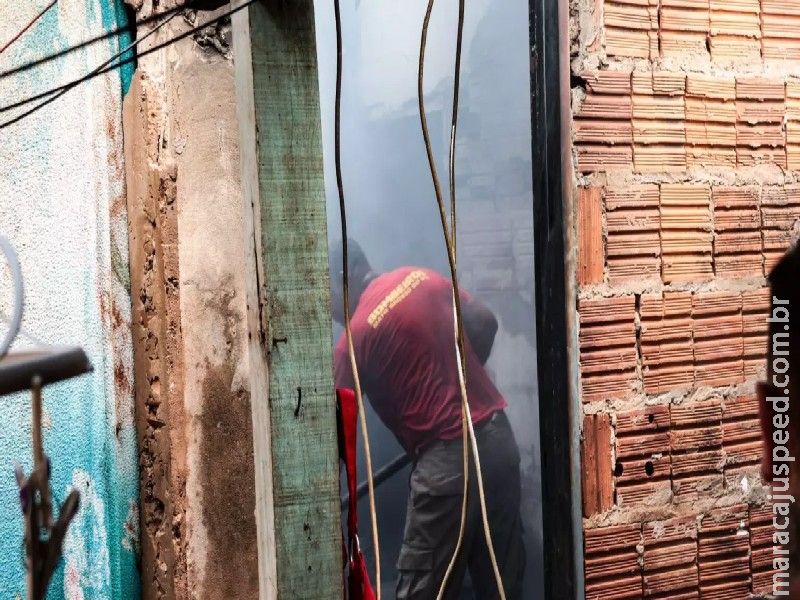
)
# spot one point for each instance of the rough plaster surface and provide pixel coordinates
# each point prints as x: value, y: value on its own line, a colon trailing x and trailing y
x: 187, y: 252
x: 62, y: 204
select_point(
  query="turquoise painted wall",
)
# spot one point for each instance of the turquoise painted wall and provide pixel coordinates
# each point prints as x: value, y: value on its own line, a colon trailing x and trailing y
x: 62, y: 204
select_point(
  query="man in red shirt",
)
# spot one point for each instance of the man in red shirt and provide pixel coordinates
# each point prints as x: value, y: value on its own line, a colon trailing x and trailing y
x: 403, y: 335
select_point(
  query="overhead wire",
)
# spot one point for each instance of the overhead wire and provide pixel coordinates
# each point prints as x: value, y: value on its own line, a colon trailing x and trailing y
x: 106, y: 67
x: 56, y: 93
x: 346, y: 297
x: 130, y: 27
x: 469, y: 431
x: 453, y: 233
x: 30, y: 24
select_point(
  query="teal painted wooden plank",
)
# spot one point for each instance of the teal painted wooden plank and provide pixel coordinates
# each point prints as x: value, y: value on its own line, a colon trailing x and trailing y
x: 282, y: 170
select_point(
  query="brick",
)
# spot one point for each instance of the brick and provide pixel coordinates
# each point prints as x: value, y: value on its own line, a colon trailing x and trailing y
x: 734, y: 48
x: 759, y: 88
x: 607, y: 310
x: 656, y: 107
x: 710, y: 110
x: 719, y: 374
x: 670, y: 544
x: 643, y: 445
x: 707, y: 157
x: 658, y: 132
x: 656, y: 493
x: 696, y: 413
x: 724, y: 552
x: 738, y: 432
x: 792, y: 133
x: 677, y: 19
x: 685, y: 194
x: 696, y: 439
x: 727, y: 22
x: 780, y: 49
x: 726, y: 220
x: 603, y: 360
x: 691, y: 489
x: 672, y: 581
x: 718, y: 349
x: 626, y: 42
x: 742, y: 6
x: 598, y: 489
x: 676, y: 268
x: 616, y: 564
x: 594, y: 158
x: 755, y: 324
x: 740, y: 197
x: 721, y: 569
x: 743, y: 407
x: 749, y: 157
x: 626, y: 16
x: 711, y: 86
x: 663, y: 83
x: 736, y: 241
x: 696, y: 4
x: 757, y: 300
x: 762, y: 134
x: 669, y: 83
x: 608, y: 82
x: 668, y: 352
x: 749, y: 453
x: 780, y: 26
x: 739, y: 266
x: 764, y: 111
x: 779, y: 7
x: 633, y: 252
x: 643, y: 470
x: 708, y: 304
x: 603, y: 131
x: 606, y: 107
x: 710, y: 134
x: 679, y: 43
x: 622, y: 269
x: 633, y: 219
x: 604, y: 387
x: 650, y: 419
x: 610, y: 539
x: 590, y: 236
x: 633, y: 196
x: 632, y: 244
x: 697, y: 462
x: 593, y: 338
x: 661, y: 379
x: 629, y: 587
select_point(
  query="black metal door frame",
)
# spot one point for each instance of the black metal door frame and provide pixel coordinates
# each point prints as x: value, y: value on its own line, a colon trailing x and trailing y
x: 562, y: 529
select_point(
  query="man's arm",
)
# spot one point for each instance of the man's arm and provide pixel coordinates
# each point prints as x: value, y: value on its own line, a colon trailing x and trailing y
x: 480, y: 326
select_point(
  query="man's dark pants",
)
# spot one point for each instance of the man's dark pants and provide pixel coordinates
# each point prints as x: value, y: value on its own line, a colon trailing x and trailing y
x: 434, y: 517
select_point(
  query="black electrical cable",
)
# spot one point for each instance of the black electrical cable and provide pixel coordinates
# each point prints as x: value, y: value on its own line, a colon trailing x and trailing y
x: 129, y: 28
x: 105, y: 68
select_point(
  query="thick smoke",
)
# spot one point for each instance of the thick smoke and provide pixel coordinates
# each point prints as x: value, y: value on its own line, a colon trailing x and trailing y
x: 391, y: 206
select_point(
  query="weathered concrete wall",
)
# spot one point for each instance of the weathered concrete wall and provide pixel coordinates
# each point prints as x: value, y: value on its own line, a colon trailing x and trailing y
x: 187, y: 253
x: 685, y: 137
x: 62, y: 204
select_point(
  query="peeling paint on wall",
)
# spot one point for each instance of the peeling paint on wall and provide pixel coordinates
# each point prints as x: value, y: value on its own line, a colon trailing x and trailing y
x: 62, y: 204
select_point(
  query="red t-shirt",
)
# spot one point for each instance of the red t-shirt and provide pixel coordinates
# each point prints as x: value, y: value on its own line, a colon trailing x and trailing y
x: 406, y: 357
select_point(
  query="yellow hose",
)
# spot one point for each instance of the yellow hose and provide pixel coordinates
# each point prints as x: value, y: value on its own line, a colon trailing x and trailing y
x: 466, y: 417
x: 346, y: 296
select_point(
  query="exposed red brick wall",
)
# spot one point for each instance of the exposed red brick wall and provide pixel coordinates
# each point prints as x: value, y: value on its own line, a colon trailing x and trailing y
x: 686, y: 139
